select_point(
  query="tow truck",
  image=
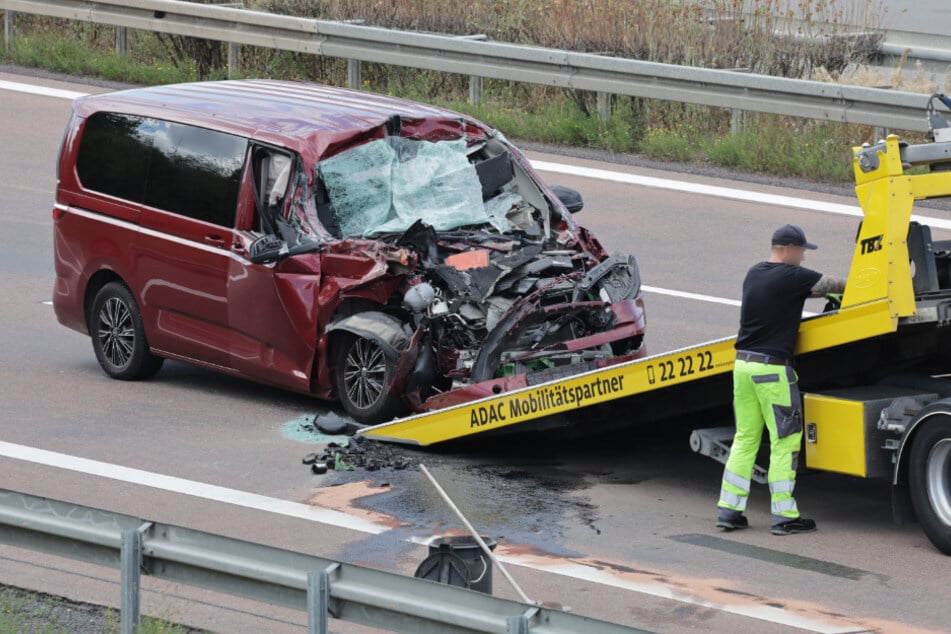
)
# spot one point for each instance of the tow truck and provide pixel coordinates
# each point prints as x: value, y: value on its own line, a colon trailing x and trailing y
x: 875, y: 367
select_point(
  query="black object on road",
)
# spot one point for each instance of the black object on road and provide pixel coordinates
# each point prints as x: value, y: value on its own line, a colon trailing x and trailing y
x: 458, y: 560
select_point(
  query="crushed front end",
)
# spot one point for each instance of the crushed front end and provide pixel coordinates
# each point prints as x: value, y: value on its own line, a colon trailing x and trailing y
x: 500, y: 288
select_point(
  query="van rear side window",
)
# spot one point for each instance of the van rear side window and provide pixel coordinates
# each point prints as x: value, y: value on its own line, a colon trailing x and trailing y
x: 114, y: 156
x: 183, y: 169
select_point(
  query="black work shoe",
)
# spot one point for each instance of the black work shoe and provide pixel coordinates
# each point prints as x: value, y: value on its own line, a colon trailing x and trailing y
x: 798, y: 525
x: 733, y: 524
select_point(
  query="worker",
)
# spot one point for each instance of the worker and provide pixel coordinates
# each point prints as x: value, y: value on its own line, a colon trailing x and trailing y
x: 765, y: 390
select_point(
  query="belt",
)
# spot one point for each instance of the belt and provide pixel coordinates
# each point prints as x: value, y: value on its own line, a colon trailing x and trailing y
x: 759, y: 357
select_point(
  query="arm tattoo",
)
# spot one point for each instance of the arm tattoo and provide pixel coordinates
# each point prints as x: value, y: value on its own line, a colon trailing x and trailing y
x: 828, y: 284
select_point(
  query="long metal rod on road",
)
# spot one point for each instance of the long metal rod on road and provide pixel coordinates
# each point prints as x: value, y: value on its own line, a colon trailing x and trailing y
x: 475, y: 534
x: 466, y: 56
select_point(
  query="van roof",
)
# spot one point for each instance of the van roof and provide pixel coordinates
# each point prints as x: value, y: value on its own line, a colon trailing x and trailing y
x: 292, y: 110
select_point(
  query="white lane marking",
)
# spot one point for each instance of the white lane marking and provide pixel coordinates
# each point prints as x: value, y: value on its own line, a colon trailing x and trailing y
x: 720, y: 192
x: 47, y: 302
x: 686, y: 295
x: 343, y: 520
x: 43, y: 91
x: 759, y: 612
x: 188, y: 487
x: 704, y: 298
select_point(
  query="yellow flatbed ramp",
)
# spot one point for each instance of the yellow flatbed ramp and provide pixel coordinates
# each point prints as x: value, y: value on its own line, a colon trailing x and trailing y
x: 879, y: 298
x: 624, y: 386
x: 558, y: 397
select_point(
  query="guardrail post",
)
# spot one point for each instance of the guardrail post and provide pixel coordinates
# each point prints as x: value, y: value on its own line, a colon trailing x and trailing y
x: 519, y: 624
x: 122, y: 40
x: 318, y: 599
x: 604, y: 106
x: 234, y: 58
x: 354, y: 78
x: 130, y: 562
x: 475, y: 81
x: 9, y: 25
x: 738, y: 117
x: 475, y: 90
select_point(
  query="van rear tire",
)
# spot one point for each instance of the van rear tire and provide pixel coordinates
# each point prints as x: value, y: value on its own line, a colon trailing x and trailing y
x: 118, y: 336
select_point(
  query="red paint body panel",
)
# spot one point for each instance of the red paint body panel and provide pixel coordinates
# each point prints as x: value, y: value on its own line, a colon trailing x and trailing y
x: 201, y: 298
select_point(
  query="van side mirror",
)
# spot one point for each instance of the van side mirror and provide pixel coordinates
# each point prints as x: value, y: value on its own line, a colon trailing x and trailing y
x: 267, y: 249
x: 570, y: 198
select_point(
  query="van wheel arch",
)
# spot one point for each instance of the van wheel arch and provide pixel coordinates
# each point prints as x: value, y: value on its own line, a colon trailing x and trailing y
x: 99, y: 279
x: 373, y: 334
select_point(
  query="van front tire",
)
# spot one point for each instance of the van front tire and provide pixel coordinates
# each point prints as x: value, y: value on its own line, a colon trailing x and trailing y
x: 362, y: 377
x: 118, y: 337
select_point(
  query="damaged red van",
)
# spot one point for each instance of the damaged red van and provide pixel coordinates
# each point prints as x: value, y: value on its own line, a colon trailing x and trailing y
x: 389, y: 254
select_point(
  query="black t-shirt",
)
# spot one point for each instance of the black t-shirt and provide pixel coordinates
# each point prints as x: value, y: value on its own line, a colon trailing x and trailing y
x: 773, y: 297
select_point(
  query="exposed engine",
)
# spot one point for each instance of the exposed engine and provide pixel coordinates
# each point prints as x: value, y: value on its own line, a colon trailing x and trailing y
x: 502, y: 304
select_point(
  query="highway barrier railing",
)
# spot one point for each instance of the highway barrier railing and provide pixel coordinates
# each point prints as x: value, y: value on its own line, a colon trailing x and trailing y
x: 478, y: 58
x: 321, y: 587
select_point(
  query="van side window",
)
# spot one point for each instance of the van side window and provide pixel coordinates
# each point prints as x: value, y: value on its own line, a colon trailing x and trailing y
x: 175, y: 167
x: 195, y: 172
x: 272, y: 171
x: 114, y: 155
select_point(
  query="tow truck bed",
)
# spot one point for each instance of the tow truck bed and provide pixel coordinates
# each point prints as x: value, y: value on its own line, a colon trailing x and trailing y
x: 848, y: 347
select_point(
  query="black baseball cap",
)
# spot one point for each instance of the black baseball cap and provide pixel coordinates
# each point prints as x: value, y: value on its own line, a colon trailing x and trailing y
x: 791, y: 235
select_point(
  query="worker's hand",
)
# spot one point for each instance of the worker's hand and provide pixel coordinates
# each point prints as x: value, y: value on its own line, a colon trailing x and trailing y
x: 833, y: 302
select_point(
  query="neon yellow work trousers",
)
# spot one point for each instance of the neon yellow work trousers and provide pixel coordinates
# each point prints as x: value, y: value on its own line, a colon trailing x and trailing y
x: 764, y: 395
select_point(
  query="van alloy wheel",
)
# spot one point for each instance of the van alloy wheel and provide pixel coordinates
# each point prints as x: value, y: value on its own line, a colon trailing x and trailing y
x: 116, y: 332
x: 363, y: 374
x: 118, y: 335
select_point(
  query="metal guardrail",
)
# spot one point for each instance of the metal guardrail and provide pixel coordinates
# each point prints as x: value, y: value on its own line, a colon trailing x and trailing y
x: 466, y: 56
x: 321, y: 587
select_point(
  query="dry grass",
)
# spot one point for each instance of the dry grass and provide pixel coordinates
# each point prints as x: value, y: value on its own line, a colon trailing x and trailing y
x: 757, y: 34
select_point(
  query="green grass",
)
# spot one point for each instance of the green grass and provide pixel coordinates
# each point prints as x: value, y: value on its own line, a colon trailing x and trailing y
x: 23, y: 612
x: 556, y: 122
x: 73, y: 58
x: 817, y: 151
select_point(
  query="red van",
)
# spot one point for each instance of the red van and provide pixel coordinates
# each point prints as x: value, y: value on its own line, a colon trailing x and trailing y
x: 386, y: 253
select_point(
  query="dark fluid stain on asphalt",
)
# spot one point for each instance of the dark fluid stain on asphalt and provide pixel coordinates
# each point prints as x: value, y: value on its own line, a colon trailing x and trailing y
x: 525, y: 490
x: 621, y: 568
x: 530, y: 509
x: 737, y: 592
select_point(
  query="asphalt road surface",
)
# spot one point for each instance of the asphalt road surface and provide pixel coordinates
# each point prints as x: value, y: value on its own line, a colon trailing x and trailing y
x: 619, y: 528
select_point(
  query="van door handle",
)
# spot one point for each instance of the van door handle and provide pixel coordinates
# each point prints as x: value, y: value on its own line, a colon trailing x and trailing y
x: 215, y: 239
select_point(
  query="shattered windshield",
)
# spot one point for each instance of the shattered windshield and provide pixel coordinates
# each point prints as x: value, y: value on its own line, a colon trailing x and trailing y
x: 386, y: 185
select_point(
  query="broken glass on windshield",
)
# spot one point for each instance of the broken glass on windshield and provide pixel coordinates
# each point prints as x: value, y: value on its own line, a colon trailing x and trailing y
x: 386, y: 185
